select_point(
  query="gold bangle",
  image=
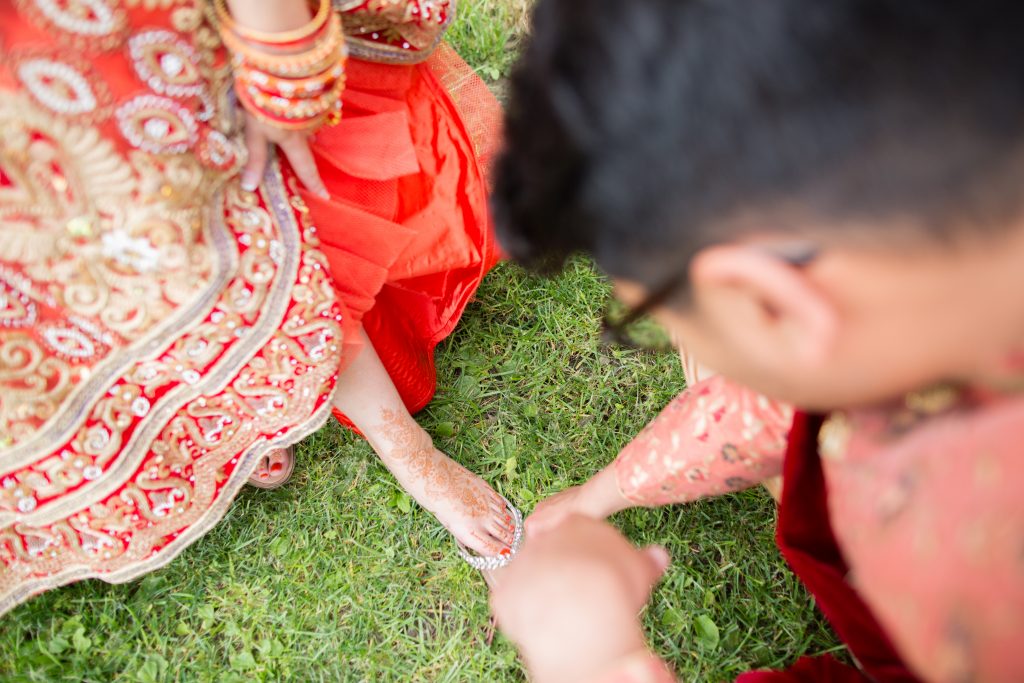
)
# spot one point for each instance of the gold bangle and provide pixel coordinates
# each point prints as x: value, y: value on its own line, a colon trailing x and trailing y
x: 316, y: 60
x: 294, y: 88
x: 276, y: 38
x: 288, y: 108
x: 308, y: 124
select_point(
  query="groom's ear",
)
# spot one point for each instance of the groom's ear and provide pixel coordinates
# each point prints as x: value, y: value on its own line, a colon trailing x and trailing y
x: 765, y: 305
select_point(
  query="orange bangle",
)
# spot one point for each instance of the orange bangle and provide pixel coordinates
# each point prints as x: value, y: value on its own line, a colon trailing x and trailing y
x: 227, y: 22
x: 293, y: 88
x: 291, y: 109
x: 314, y: 61
x: 285, y: 124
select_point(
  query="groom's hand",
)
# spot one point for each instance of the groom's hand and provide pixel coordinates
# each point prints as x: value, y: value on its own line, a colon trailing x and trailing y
x: 571, y: 599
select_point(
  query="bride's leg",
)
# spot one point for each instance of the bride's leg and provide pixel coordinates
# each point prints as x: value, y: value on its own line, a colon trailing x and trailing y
x: 462, y: 501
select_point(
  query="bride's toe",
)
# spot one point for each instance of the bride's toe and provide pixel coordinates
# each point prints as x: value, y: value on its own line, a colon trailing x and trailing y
x: 500, y: 531
x: 483, y: 543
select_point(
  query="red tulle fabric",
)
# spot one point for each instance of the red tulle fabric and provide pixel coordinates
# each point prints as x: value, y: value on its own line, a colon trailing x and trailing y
x: 406, y: 230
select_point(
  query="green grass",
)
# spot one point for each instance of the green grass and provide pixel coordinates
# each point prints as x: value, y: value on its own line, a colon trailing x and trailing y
x: 338, y: 578
x: 487, y: 33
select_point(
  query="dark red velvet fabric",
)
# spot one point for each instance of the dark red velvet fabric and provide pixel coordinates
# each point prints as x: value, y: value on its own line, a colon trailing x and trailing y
x: 807, y: 542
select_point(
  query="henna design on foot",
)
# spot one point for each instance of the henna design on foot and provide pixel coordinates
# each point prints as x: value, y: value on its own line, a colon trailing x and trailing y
x: 462, y: 501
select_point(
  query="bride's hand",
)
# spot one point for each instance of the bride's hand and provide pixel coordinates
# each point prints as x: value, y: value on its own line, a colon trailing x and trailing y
x: 293, y: 144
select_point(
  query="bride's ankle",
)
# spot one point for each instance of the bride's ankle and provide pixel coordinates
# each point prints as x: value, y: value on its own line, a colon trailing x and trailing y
x: 398, y: 436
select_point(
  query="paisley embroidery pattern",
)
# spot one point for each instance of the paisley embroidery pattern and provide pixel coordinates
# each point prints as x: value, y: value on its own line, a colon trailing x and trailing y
x: 157, y: 124
x: 69, y: 343
x: 16, y: 309
x: 62, y: 88
x: 96, y: 25
x: 169, y: 66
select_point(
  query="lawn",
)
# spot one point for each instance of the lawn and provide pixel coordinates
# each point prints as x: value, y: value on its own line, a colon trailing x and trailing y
x: 340, y: 577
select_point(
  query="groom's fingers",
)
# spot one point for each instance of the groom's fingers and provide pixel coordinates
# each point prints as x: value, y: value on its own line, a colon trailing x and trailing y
x: 645, y: 573
x: 658, y: 561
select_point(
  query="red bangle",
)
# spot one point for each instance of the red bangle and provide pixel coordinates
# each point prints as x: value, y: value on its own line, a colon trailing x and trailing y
x: 318, y: 58
x: 292, y: 88
x: 287, y: 124
x: 289, y: 108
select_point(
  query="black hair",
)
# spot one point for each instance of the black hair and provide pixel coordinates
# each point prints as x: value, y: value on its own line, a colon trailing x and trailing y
x: 636, y: 129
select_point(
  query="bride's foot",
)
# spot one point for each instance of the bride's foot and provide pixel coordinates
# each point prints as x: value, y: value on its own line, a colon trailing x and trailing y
x: 274, y: 469
x: 463, y: 502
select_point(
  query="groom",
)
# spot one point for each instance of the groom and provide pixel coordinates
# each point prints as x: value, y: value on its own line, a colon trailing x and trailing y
x: 823, y: 200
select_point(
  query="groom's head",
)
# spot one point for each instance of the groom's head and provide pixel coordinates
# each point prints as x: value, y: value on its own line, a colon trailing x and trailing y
x: 835, y: 188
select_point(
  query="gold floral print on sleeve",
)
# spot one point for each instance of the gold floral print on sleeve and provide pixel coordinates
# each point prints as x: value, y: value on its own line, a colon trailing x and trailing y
x: 716, y: 437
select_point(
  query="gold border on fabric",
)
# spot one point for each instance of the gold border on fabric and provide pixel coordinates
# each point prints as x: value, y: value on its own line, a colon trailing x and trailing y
x: 247, y: 464
x: 321, y: 375
x: 213, y: 382
x: 373, y: 51
x: 73, y: 411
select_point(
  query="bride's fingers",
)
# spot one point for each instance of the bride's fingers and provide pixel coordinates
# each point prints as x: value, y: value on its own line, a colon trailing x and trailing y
x: 296, y: 148
x: 256, y: 143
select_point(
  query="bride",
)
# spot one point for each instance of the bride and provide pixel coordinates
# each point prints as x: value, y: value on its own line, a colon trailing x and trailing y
x: 167, y: 325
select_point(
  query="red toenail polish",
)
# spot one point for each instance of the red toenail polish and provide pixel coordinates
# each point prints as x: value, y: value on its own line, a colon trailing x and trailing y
x: 263, y: 475
x: 276, y: 468
x: 506, y: 552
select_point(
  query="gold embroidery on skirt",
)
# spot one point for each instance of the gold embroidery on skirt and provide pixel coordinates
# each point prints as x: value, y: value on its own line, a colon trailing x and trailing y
x: 394, y: 31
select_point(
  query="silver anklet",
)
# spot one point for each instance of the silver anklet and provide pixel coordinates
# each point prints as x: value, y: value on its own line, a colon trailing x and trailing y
x: 484, y: 563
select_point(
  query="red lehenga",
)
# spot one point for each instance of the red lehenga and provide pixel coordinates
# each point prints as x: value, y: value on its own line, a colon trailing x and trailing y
x: 160, y: 329
x: 406, y: 230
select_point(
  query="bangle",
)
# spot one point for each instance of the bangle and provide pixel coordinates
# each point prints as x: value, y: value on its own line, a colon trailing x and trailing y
x: 283, y: 123
x: 297, y: 88
x: 322, y: 56
x: 275, y: 38
x: 288, y: 108
x: 292, y: 80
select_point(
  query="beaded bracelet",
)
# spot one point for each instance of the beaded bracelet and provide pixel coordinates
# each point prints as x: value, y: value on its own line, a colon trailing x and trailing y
x: 301, y: 88
x: 290, y: 108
